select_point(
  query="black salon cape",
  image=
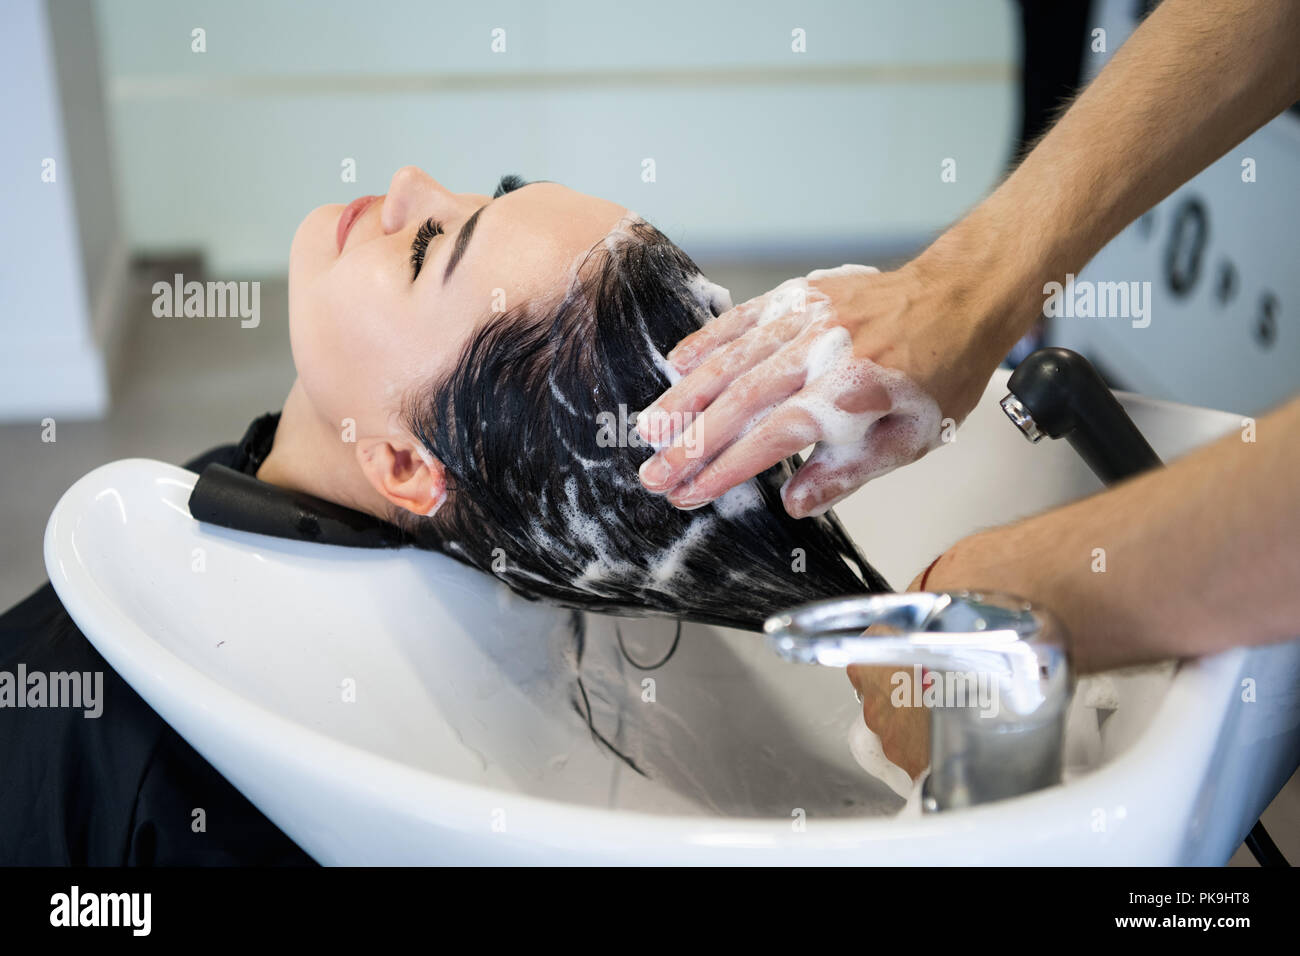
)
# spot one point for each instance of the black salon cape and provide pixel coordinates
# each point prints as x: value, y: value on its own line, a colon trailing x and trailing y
x: 120, y: 789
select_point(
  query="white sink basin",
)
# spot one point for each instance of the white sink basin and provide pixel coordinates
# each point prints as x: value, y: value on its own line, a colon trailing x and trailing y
x: 397, y: 707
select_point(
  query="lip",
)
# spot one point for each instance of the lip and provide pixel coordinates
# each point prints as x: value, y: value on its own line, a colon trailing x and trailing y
x: 351, y: 213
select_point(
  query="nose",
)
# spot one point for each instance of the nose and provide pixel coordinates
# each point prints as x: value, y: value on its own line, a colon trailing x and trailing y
x: 412, y: 194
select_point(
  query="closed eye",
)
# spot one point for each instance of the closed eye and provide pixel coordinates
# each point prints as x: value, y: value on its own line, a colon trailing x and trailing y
x: 420, y: 245
x: 429, y: 229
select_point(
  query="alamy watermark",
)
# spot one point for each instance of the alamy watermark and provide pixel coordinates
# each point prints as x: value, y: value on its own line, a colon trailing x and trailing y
x: 1085, y: 299
x: 945, y: 689
x: 208, y: 300
x: 619, y: 430
x: 133, y: 911
x: 84, y: 691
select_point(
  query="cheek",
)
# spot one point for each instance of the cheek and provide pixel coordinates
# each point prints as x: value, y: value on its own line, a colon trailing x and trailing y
x: 344, y: 350
x: 360, y: 340
x: 358, y: 349
x: 347, y: 372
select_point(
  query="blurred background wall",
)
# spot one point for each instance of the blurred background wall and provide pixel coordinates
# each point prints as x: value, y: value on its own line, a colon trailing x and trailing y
x: 194, y: 136
x: 62, y: 252
x: 766, y: 137
x: 758, y: 150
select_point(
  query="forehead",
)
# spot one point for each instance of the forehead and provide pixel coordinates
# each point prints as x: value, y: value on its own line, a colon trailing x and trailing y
x: 529, y: 241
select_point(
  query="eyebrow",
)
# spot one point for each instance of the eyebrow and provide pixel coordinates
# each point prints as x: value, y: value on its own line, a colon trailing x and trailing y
x: 462, y: 242
x: 508, y: 184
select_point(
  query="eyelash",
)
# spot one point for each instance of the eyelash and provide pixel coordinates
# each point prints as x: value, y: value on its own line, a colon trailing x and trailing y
x: 509, y: 183
x: 428, y: 229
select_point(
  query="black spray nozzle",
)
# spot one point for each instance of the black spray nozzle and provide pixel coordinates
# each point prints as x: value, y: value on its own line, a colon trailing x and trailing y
x: 1057, y: 393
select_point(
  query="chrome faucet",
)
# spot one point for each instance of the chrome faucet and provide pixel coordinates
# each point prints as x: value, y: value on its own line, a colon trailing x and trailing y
x: 982, y: 647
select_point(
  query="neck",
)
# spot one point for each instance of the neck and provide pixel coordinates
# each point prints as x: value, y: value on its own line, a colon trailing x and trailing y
x: 308, y: 454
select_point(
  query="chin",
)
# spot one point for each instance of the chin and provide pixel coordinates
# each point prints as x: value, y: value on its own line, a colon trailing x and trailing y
x: 314, y: 240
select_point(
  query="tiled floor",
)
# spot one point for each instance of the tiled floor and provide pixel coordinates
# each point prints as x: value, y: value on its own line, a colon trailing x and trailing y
x: 186, y: 385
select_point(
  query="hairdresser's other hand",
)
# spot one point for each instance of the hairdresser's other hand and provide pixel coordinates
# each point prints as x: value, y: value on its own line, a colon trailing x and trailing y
x: 776, y: 374
x: 904, y: 731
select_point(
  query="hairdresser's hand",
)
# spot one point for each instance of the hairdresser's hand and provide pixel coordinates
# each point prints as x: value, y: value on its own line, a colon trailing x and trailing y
x: 904, y: 731
x: 1202, y: 75
x: 866, y: 365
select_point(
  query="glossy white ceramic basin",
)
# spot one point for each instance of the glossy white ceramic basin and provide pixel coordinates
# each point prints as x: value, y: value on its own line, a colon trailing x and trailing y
x: 396, y: 707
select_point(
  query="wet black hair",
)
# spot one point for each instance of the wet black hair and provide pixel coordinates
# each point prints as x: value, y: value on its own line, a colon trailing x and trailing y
x: 544, y: 492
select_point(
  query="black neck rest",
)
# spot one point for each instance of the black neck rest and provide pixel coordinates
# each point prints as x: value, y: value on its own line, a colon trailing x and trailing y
x: 232, y: 499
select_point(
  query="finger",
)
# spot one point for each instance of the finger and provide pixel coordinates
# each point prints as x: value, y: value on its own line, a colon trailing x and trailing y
x: 830, y: 475
x: 904, y: 736
x: 904, y: 731
x: 674, y: 410
x: 871, y: 679
x: 790, y: 297
x: 874, y: 684
x: 775, y: 437
x: 730, y: 325
x: 740, y: 405
x: 833, y: 472
x: 854, y: 672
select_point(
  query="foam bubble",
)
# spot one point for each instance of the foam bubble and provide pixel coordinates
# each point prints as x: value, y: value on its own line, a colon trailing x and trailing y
x: 870, y: 756
x: 424, y: 453
x: 589, y: 529
x: 713, y: 298
x: 852, y: 447
x: 584, y: 543
x: 621, y: 231
x: 579, y: 539
x: 559, y: 396
x: 669, y: 562
x: 848, y: 269
x: 744, y: 497
x: 791, y: 296
x: 665, y: 367
x: 831, y: 349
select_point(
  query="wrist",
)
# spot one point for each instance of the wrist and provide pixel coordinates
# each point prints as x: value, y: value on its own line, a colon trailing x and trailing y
x: 978, y: 272
x: 984, y: 561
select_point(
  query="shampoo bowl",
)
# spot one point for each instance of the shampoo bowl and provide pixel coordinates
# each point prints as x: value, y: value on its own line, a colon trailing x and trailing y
x: 395, y: 707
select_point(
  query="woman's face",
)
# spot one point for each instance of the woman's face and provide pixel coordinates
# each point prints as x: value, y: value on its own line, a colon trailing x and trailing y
x: 366, y: 330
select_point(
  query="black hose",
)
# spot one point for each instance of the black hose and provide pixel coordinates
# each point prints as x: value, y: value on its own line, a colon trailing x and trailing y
x: 1263, y: 848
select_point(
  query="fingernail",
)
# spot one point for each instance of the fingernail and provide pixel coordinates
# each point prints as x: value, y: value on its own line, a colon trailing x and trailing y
x: 677, y: 357
x: 654, y: 472
x: 689, y: 498
x: 793, y: 502
x: 653, y: 426
x: 688, y: 505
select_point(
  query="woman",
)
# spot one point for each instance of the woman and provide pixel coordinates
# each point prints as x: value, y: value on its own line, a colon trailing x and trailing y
x: 463, y: 367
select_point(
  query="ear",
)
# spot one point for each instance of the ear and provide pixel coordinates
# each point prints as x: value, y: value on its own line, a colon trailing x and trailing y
x: 404, y: 473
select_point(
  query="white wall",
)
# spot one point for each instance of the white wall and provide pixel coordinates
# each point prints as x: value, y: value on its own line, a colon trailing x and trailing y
x: 759, y: 151
x: 61, y: 255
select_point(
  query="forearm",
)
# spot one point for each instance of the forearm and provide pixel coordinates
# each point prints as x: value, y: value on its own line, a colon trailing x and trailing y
x: 1191, y: 82
x: 1195, y: 79
x: 1188, y: 560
